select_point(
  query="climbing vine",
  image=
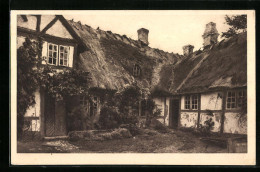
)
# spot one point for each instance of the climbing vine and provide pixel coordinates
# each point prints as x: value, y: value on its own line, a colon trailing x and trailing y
x: 32, y: 75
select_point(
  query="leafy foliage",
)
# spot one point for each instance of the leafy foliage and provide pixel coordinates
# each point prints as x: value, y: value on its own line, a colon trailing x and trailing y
x: 32, y: 75
x: 238, y: 24
x: 79, y: 119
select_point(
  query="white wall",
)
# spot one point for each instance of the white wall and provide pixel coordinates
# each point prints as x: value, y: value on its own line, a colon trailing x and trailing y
x: 34, y: 111
x: 59, y: 30
x: 233, y: 123
x: 216, y: 118
x: 188, y: 119
x: 211, y: 101
x: 30, y: 24
x: 20, y: 41
x: 164, y: 111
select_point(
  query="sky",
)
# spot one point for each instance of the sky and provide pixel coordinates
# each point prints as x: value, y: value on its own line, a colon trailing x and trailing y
x: 168, y: 30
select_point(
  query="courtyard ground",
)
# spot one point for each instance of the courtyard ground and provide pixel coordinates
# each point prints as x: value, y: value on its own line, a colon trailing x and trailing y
x: 170, y: 142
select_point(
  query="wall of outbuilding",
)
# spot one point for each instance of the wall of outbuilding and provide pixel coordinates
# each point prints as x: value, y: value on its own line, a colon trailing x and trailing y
x: 212, y: 103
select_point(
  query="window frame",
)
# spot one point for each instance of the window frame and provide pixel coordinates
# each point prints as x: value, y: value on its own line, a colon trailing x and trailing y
x: 238, y: 99
x: 48, y: 53
x: 191, y: 102
x: 59, y: 53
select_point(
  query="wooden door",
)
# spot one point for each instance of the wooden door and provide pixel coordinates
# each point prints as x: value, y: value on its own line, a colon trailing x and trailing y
x: 175, y: 107
x: 49, y: 116
x: 55, y: 117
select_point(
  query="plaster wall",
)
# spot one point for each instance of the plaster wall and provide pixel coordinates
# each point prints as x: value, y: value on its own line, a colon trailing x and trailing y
x: 59, y: 30
x: 34, y: 111
x: 20, y: 40
x: 234, y: 124
x: 182, y: 102
x: 216, y: 118
x: 30, y: 24
x: 188, y: 119
x: 211, y: 101
x: 164, y: 117
x: 45, y: 20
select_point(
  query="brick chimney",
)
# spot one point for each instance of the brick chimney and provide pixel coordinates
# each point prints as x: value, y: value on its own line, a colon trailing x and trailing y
x: 143, y: 35
x: 187, y: 50
x: 210, y: 35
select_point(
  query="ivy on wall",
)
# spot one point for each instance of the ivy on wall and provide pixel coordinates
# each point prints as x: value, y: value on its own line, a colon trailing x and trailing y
x: 32, y: 75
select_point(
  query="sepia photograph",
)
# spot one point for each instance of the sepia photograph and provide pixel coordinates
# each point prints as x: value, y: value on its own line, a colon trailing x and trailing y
x: 148, y: 83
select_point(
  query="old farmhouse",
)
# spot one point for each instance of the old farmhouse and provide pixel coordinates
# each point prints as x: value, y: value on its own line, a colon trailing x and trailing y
x: 188, y: 88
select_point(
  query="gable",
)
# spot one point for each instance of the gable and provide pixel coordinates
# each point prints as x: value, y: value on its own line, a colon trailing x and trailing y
x: 59, y: 30
x: 45, y: 20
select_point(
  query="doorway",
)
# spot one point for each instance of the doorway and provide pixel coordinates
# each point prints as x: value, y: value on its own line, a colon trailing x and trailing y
x: 55, y: 122
x: 175, y: 107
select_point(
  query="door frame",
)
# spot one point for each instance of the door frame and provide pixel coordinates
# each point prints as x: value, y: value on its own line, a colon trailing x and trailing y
x: 171, y: 111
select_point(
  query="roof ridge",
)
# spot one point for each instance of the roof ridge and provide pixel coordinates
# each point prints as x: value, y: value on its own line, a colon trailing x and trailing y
x: 123, y: 36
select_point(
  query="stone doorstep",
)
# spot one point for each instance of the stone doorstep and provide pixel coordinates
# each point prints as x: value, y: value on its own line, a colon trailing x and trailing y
x: 54, y: 138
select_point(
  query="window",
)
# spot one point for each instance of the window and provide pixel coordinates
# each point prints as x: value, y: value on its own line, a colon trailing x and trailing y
x: 58, y: 55
x: 191, y: 102
x: 236, y: 99
x: 64, y: 53
x: 52, y: 54
x: 187, y: 102
x: 136, y: 70
x: 194, y: 102
x: 90, y: 103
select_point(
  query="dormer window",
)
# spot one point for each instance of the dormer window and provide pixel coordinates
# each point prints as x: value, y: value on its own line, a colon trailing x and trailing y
x: 136, y: 70
x: 58, y: 55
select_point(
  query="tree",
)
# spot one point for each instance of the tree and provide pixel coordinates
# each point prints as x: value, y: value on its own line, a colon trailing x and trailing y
x: 237, y: 23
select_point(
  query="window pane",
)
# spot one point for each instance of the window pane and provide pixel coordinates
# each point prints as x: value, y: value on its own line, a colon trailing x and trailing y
x: 61, y: 62
x: 65, y: 62
x: 55, y: 54
x: 228, y: 105
x: 54, y: 61
x: 50, y: 60
x: 65, y: 56
x: 61, y: 55
x: 50, y: 53
x: 55, y: 48
x: 66, y: 49
x: 50, y: 47
x: 61, y: 48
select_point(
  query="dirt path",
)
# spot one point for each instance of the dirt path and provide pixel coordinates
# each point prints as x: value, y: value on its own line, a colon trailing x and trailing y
x: 175, y: 142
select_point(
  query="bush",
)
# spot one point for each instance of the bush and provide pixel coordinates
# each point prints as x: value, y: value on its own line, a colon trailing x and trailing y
x: 133, y: 129
x: 109, y: 118
x: 79, y: 119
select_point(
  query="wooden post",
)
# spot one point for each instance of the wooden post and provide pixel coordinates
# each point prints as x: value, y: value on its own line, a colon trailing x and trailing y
x: 42, y: 106
x: 199, y: 109
x: 223, y: 111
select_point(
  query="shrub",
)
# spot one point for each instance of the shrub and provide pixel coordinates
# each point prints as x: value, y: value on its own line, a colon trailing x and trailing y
x: 79, y: 119
x: 109, y: 117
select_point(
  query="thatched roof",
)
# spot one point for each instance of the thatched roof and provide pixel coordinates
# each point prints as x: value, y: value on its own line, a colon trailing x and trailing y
x: 223, y: 66
x: 110, y: 59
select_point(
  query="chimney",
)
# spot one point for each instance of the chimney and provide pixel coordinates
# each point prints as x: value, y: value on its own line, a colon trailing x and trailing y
x: 187, y: 50
x: 210, y: 35
x: 143, y: 35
